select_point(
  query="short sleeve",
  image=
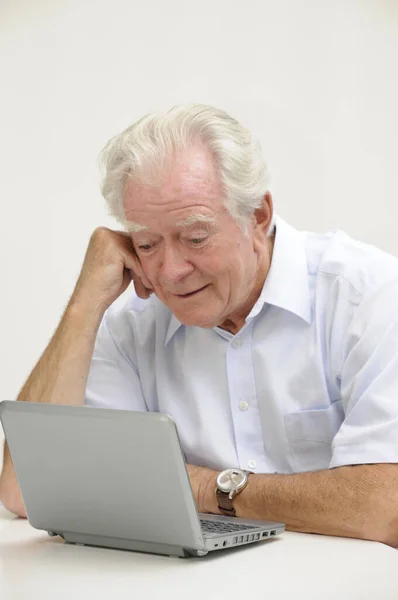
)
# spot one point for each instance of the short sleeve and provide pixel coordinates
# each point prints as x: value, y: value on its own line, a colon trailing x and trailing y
x: 113, y: 380
x: 369, y: 383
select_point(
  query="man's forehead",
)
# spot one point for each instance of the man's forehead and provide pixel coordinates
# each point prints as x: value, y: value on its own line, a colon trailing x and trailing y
x: 178, y: 201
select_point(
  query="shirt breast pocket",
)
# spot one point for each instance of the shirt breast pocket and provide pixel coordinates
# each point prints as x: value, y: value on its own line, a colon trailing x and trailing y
x: 310, y: 435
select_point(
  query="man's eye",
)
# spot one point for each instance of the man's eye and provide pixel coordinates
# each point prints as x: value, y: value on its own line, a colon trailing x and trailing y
x: 145, y: 247
x: 197, y: 241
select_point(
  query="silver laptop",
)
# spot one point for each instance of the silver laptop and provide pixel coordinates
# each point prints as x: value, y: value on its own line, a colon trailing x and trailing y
x: 114, y: 478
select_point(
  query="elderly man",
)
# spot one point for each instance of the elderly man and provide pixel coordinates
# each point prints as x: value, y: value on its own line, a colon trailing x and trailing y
x: 276, y: 352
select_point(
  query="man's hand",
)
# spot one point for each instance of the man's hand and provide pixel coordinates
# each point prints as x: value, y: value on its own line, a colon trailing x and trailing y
x: 109, y: 266
x: 203, y: 483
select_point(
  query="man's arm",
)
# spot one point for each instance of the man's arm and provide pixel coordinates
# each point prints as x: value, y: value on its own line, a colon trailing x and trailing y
x: 60, y: 376
x: 359, y: 501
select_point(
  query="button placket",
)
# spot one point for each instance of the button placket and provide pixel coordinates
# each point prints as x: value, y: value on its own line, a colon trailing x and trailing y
x: 242, y: 389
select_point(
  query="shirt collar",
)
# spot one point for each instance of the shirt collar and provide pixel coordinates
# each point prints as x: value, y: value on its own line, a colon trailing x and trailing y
x: 286, y: 284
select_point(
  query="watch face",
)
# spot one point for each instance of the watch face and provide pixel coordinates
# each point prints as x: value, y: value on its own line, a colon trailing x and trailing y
x: 231, y: 479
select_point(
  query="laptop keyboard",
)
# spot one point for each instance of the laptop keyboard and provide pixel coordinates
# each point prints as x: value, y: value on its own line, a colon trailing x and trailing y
x: 220, y: 527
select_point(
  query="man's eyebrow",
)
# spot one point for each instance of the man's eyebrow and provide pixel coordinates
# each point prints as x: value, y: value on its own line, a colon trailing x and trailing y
x: 195, y: 218
x: 132, y: 227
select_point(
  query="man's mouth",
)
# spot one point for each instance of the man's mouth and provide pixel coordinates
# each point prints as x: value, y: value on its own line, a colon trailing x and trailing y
x: 190, y: 294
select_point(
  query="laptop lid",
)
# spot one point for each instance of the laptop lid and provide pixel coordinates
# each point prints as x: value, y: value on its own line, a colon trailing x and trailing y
x: 111, y: 473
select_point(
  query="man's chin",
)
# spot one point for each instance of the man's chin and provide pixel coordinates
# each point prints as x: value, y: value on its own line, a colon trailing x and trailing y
x: 194, y: 322
x: 190, y: 319
x: 192, y: 314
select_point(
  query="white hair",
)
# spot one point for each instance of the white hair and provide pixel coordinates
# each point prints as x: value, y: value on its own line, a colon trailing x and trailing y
x: 143, y: 151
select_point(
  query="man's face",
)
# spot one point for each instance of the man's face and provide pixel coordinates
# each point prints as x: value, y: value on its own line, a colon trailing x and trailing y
x: 203, y: 271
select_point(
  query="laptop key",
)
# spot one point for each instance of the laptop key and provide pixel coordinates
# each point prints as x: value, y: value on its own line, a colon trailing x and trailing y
x: 219, y: 527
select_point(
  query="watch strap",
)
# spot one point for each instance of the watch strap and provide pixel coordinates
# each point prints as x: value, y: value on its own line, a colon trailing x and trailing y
x: 225, y: 503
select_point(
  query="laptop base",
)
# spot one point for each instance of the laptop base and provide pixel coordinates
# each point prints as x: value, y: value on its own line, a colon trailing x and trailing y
x: 124, y: 544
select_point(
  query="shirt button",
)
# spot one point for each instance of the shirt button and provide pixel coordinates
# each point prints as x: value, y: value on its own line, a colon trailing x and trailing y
x: 237, y: 342
x: 252, y: 464
x: 243, y: 405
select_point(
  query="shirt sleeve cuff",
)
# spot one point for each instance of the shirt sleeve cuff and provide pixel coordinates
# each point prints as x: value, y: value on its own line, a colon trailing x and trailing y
x: 372, y: 453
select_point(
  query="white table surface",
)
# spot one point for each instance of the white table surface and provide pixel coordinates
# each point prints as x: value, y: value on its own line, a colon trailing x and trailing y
x: 34, y: 566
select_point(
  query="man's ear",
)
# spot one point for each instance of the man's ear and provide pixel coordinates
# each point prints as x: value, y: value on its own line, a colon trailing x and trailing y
x: 263, y: 216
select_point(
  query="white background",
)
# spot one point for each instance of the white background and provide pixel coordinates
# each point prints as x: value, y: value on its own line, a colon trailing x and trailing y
x: 315, y: 80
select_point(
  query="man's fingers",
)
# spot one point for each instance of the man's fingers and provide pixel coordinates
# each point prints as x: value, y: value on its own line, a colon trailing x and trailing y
x: 142, y: 291
x: 132, y: 263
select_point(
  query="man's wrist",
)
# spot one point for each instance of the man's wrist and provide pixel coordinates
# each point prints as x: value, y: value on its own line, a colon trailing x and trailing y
x: 237, y: 504
x: 246, y: 503
x: 240, y: 500
x: 84, y: 316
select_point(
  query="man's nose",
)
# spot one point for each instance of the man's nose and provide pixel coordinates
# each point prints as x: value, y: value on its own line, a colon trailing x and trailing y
x: 174, y: 266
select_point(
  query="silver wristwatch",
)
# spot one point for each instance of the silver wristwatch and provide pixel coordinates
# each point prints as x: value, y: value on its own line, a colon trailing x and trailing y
x: 230, y: 483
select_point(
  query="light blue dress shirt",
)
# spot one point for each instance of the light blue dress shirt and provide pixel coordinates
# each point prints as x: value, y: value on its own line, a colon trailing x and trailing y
x: 310, y: 382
